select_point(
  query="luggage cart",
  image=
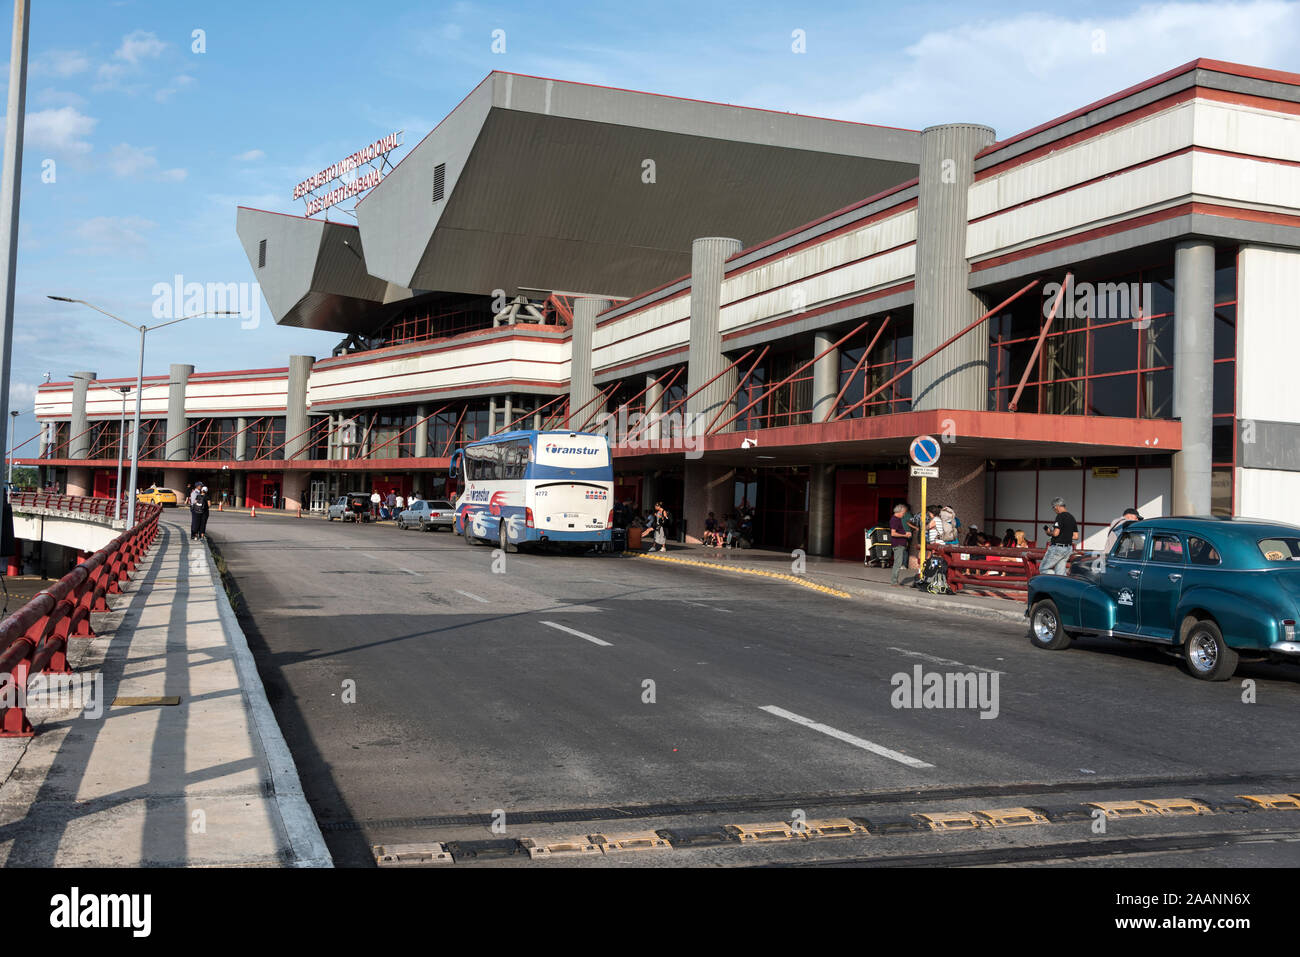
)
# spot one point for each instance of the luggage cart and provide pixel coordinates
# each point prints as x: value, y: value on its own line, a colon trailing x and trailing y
x: 877, y: 552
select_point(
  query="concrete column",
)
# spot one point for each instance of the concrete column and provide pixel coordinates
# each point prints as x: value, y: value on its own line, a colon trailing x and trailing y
x: 821, y: 508
x: 237, y: 491
x: 956, y: 378
x: 178, y: 445
x: 509, y: 411
x: 78, y: 437
x: 295, y: 412
x: 241, y: 440
x: 826, y: 379
x: 176, y: 479
x: 707, y: 488
x: 960, y: 484
x: 708, y: 259
x: 654, y: 404
x: 1193, y: 375
x: 582, y: 387
x: 421, y: 432
x: 647, y: 492
x: 79, y: 480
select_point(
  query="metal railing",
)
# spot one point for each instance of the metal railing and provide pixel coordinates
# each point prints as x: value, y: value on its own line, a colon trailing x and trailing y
x: 1002, y: 572
x: 35, y: 637
x: 94, y: 507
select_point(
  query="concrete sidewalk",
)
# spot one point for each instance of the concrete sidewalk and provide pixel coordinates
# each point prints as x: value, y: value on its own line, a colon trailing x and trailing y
x: 205, y: 782
x: 859, y: 580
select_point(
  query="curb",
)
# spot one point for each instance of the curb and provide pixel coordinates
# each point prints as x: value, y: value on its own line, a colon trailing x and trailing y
x: 744, y: 570
x: 889, y: 594
x: 306, y: 845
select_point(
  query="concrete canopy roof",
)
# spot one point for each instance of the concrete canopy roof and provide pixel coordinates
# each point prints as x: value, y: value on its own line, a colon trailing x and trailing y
x: 544, y: 189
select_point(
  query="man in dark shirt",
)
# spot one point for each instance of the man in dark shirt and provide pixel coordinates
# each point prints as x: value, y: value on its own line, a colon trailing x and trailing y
x: 898, y: 538
x: 1062, y: 536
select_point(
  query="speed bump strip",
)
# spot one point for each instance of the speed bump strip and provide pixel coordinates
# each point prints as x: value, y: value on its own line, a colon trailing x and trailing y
x: 793, y: 579
x: 952, y: 821
x: 634, y: 841
x: 1178, y: 806
x: 1274, y: 802
x: 1120, y: 809
x: 753, y: 833
x: 411, y: 855
x: 833, y: 827
x: 1013, y: 816
x: 568, y: 848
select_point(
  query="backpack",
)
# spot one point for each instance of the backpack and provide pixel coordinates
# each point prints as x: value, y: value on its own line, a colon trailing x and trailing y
x: 947, y: 524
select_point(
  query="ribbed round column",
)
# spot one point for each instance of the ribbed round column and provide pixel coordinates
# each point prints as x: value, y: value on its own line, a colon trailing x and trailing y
x: 826, y: 377
x: 295, y: 411
x: 1194, y: 375
x: 78, y: 437
x: 708, y: 260
x: 178, y: 444
x: 582, y: 388
x: 956, y: 378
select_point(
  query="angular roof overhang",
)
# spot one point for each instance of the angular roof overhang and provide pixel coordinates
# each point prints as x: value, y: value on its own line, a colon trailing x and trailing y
x: 566, y: 186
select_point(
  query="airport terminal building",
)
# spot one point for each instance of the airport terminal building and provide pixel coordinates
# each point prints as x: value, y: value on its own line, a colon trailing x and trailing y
x: 765, y: 309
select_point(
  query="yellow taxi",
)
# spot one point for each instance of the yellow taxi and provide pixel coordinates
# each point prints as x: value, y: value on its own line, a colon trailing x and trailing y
x: 153, y: 495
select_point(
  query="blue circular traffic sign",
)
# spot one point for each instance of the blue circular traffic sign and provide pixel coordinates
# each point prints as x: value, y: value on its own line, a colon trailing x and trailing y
x: 924, y: 450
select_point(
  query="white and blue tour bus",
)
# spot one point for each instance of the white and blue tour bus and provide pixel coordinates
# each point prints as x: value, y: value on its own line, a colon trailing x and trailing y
x: 527, y: 487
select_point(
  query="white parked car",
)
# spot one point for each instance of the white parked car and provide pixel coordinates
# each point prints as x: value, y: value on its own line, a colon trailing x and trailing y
x: 428, y: 514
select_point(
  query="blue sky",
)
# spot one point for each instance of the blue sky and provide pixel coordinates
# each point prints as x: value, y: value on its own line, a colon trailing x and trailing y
x: 154, y: 144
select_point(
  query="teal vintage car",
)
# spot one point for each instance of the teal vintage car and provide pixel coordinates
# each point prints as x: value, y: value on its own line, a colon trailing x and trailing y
x: 1215, y: 590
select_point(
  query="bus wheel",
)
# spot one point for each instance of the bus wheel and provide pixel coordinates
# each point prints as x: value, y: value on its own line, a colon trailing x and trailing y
x: 505, y: 539
x: 469, y: 539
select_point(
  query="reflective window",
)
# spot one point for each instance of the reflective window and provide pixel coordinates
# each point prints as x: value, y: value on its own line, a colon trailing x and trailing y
x: 1280, y: 549
x: 1167, y: 549
x: 1201, y: 552
x: 1131, y: 545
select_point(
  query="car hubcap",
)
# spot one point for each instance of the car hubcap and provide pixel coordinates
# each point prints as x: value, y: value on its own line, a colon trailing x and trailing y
x: 1203, y: 652
x: 1045, y: 625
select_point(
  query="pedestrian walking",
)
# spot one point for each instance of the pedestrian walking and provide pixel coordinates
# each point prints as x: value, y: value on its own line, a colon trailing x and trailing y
x: 899, y: 536
x: 1062, y: 536
x: 661, y: 528
x: 205, y: 509
x: 374, y: 505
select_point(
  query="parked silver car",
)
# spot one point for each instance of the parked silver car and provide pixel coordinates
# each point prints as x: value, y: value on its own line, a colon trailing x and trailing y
x: 353, y: 507
x: 428, y: 514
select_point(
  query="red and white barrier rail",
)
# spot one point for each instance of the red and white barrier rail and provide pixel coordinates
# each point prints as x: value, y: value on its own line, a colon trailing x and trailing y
x: 35, y: 637
x: 99, y: 507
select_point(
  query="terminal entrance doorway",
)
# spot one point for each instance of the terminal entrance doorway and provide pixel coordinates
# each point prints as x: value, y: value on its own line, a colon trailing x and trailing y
x: 864, y: 499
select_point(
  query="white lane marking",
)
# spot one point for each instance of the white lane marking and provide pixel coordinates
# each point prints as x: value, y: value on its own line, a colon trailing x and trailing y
x: 945, y: 661
x: 373, y: 558
x: 469, y: 594
x: 594, y: 640
x: 846, y: 737
x: 698, y: 604
x: 409, y: 572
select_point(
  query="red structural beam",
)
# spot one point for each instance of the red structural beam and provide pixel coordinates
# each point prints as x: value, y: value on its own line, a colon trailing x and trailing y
x: 451, y: 438
x: 668, y: 385
x: 403, y: 432
x: 568, y: 422
x: 1033, y: 358
x: 600, y: 409
x: 937, y: 349
x: 771, y: 389
x: 858, y: 368
x: 736, y: 391
x: 536, y: 411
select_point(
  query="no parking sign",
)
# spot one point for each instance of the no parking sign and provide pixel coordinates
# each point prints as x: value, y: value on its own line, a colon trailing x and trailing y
x: 924, y: 450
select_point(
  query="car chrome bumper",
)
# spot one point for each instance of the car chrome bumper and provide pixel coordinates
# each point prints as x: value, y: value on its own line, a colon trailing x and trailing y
x: 1285, y: 648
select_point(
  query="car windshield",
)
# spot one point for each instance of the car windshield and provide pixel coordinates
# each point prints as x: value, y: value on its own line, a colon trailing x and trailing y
x: 1280, y: 549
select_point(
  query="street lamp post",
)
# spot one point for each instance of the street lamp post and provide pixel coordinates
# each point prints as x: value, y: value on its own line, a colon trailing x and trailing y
x: 139, y: 386
x: 13, y: 426
x: 121, y: 446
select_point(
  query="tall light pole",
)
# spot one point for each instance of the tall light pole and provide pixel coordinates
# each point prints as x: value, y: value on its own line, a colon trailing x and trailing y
x: 121, y: 447
x: 10, y: 189
x: 139, y: 386
x: 13, y: 431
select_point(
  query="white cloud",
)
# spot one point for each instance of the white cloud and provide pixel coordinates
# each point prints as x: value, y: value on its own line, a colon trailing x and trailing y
x: 60, y: 63
x: 62, y: 130
x: 249, y: 156
x: 139, y: 161
x: 140, y: 45
x: 181, y: 82
x: 114, y: 235
x: 22, y: 396
x: 1016, y: 72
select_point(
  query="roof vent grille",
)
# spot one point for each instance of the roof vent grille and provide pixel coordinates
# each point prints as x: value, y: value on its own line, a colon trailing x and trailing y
x: 439, y: 181
x: 261, y: 254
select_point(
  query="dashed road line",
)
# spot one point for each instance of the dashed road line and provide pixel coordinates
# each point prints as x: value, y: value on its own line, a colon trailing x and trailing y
x: 409, y: 572
x: 580, y: 634
x: 847, y: 738
x: 935, y: 659
x: 470, y: 594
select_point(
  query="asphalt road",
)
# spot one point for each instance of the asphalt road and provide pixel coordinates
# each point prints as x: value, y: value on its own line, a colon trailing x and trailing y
x: 421, y: 682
